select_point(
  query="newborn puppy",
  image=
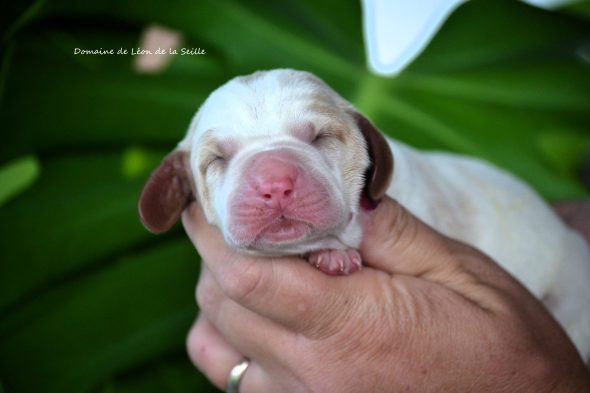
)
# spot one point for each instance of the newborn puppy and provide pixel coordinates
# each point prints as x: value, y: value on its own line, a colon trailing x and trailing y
x: 285, y: 166
x: 278, y: 162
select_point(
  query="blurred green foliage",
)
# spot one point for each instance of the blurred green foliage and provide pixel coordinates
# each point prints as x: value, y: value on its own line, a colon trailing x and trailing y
x: 89, y: 300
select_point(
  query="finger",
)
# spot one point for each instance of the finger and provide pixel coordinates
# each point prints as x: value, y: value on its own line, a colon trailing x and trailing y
x: 285, y: 290
x: 397, y: 242
x: 215, y: 358
x: 210, y: 352
x: 250, y: 333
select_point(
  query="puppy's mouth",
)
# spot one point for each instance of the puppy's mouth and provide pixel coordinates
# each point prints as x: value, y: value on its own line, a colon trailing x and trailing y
x: 283, y: 230
x: 261, y: 230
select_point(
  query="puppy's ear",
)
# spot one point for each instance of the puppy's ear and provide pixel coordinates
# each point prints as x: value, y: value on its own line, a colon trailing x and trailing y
x: 166, y: 193
x: 379, y: 173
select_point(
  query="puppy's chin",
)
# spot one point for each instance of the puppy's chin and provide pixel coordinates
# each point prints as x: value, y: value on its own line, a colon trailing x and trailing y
x: 283, y: 231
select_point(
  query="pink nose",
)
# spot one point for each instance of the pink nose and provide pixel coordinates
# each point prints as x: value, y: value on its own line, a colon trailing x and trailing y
x: 275, y: 182
x: 277, y: 192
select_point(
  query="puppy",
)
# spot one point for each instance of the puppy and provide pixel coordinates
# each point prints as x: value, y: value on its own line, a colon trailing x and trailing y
x: 285, y: 166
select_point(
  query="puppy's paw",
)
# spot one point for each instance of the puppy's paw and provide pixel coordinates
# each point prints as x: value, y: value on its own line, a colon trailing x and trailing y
x: 336, y: 262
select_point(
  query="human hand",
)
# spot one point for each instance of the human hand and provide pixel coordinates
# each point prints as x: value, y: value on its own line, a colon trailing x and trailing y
x: 426, y: 314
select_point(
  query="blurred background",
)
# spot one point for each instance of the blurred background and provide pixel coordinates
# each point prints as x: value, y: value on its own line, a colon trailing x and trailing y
x: 92, y: 302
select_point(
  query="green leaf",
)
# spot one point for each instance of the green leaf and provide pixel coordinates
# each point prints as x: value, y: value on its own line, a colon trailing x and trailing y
x: 566, y: 151
x: 85, y: 330
x: 580, y: 8
x: 94, y: 100
x: 81, y: 212
x: 17, y: 176
x: 139, y: 162
x: 174, y: 375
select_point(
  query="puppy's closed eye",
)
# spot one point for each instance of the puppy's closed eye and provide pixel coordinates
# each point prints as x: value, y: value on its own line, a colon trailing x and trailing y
x: 320, y: 137
x: 326, y: 138
x: 216, y: 159
x: 330, y: 130
x: 211, y: 161
x: 215, y: 153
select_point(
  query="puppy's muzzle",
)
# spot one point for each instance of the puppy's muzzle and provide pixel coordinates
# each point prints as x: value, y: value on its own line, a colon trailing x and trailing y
x: 280, y: 199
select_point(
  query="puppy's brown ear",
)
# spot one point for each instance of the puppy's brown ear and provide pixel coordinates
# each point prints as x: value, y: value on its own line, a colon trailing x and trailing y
x: 166, y: 193
x: 379, y: 173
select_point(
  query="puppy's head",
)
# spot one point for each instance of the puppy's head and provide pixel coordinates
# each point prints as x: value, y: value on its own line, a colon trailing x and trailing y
x: 276, y: 159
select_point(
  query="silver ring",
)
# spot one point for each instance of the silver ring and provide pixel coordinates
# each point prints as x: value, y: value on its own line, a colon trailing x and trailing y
x: 235, y: 376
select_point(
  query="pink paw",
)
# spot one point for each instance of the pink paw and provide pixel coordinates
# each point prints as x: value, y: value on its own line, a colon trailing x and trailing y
x: 336, y: 262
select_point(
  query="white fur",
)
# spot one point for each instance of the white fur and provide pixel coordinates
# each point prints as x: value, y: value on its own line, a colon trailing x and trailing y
x: 462, y: 197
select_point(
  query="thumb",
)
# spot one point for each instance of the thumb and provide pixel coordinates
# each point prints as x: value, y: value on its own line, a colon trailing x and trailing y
x: 396, y: 241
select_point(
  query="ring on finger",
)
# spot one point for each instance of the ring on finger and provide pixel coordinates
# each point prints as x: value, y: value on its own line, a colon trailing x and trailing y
x: 235, y: 376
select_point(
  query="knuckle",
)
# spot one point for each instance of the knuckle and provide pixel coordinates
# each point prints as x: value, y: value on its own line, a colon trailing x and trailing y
x: 402, y: 229
x: 407, y: 226
x: 243, y: 281
x: 207, y: 296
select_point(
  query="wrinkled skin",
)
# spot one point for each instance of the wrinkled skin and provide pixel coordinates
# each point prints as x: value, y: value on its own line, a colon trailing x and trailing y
x: 427, y: 314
